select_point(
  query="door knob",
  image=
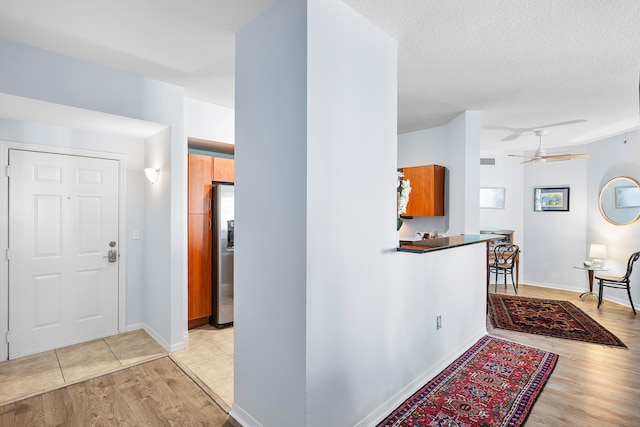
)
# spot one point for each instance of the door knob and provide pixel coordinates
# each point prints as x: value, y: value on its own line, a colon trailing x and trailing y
x: 112, y: 255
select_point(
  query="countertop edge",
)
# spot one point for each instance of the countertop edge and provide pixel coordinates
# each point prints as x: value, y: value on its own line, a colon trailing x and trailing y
x: 478, y: 238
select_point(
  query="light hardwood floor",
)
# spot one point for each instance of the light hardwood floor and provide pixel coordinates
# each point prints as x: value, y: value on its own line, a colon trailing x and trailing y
x: 153, y: 393
x: 207, y: 359
x: 592, y: 385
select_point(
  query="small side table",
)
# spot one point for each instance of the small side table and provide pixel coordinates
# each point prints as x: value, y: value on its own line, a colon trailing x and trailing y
x: 590, y: 271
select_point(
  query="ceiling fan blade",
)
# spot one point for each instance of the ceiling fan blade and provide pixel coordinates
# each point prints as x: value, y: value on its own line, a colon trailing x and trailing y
x: 557, y: 159
x: 566, y: 156
x: 580, y: 156
x: 569, y: 122
x: 512, y: 137
x: 517, y: 132
x: 517, y: 155
x: 496, y: 127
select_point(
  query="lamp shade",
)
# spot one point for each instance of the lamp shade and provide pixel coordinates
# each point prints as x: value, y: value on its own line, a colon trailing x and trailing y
x: 598, y: 251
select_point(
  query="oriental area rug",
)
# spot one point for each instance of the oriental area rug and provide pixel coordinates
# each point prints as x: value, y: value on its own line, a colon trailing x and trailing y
x: 494, y: 383
x: 560, y: 319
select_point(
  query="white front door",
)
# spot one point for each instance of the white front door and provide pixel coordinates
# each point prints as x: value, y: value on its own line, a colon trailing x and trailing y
x: 63, y: 220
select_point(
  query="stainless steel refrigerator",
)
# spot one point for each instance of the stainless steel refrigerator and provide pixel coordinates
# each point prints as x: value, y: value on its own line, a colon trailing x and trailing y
x: 222, y: 229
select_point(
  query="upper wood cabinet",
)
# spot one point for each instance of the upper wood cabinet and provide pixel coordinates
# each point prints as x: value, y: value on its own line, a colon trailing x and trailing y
x: 222, y: 170
x: 200, y: 183
x: 202, y: 171
x: 427, y: 190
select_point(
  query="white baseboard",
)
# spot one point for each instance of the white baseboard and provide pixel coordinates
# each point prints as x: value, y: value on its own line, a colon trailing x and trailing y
x: 407, y: 391
x: 241, y: 416
x: 153, y: 334
x: 556, y: 286
x: 135, y: 327
x: 624, y: 301
x: 156, y: 336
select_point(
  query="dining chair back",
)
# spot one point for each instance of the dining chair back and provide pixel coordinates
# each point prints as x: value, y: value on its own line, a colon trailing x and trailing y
x: 619, y: 282
x: 504, y: 260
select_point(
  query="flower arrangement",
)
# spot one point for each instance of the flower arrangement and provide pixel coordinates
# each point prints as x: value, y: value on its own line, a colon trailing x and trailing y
x: 404, y: 188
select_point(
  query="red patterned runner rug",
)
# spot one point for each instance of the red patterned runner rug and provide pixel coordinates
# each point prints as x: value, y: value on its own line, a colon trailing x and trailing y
x: 494, y: 383
x: 560, y: 319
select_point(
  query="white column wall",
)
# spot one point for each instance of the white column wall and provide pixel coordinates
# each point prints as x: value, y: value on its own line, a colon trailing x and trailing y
x: 351, y: 236
x: 271, y: 218
x: 164, y: 103
x: 464, y: 169
x: 157, y: 214
x: 333, y: 326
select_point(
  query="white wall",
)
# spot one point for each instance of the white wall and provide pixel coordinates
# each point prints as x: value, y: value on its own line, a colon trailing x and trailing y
x: 612, y: 157
x: 208, y: 121
x: 464, y: 133
x: 157, y: 238
x: 45, y: 76
x: 507, y: 173
x: 554, y: 242
x: 351, y: 180
x: 271, y: 224
x: 133, y: 150
x: 333, y: 326
x: 456, y: 146
x: 39, y: 74
x: 164, y: 103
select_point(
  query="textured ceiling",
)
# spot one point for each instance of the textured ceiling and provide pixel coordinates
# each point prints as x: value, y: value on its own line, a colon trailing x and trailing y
x: 524, y: 64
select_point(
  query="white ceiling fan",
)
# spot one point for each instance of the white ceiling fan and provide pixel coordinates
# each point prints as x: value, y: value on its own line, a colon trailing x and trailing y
x: 541, y: 155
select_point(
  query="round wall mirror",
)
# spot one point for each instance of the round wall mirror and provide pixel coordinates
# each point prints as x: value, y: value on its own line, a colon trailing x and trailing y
x: 619, y: 200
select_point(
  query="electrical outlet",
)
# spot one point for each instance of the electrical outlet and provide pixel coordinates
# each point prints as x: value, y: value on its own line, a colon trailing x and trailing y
x: 438, y: 321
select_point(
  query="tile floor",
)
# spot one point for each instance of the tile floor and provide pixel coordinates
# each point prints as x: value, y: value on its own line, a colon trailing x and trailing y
x: 208, y: 357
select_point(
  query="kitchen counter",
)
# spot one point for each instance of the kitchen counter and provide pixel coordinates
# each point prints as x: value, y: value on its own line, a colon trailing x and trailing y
x: 430, y: 245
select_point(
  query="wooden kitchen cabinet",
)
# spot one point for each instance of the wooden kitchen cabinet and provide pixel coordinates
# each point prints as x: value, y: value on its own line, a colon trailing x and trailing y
x: 200, y: 168
x: 200, y: 272
x: 427, y: 190
x: 222, y: 170
x: 203, y: 170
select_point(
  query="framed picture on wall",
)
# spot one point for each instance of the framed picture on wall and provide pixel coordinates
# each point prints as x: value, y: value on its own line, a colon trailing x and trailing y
x: 492, y: 198
x: 551, y: 199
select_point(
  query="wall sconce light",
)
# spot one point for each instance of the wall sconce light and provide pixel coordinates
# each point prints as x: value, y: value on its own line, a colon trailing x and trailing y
x: 152, y: 174
x: 597, y: 253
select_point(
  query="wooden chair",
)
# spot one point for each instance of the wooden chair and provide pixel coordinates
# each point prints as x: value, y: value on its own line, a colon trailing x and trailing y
x: 504, y: 260
x: 619, y: 282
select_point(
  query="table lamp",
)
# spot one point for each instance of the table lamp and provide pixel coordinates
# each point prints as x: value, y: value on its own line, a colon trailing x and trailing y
x: 597, y: 253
